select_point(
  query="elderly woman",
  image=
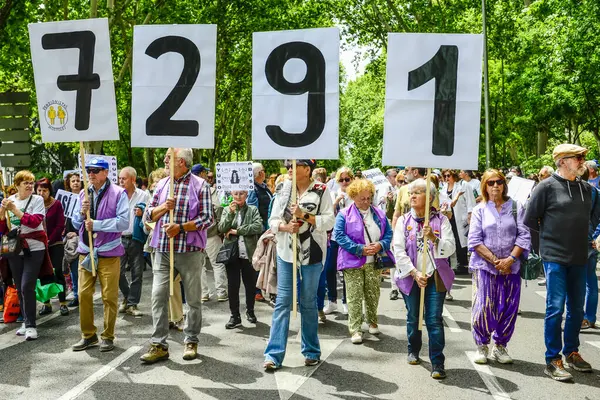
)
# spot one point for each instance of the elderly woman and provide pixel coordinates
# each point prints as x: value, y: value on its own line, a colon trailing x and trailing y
x: 341, y: 200
x: 26, y: 211
x: 409, y: 237
x: 497, y: 237
x: 313, y: 212
x: 362, y: 231
x: 55, y: 225
x: 241, y: 223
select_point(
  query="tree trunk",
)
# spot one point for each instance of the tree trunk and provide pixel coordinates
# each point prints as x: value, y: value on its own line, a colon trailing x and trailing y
x: 93, y: 147
x: 542, y: 142
x: 149, y: 160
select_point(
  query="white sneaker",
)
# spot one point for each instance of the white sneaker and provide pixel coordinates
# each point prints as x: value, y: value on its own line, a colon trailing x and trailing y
x: 21, y: 331
x: 345, y: 308
x: 501, y: 355
x: 357, y: 338
x: 374, y: 330
x: 482, y: 354
x: 331, y: 307
x: 31, y: 334
x: 449, y: 297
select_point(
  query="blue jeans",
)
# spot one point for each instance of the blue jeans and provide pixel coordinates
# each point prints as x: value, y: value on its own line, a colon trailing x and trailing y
x: 563, y: 284
x: 591, y: 289
x: 310, y: 347
x: 320, y: 290
x: 434, y: 305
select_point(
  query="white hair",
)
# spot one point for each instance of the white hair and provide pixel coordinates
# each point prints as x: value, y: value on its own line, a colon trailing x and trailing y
x: 422, y: 183
x: 547, y: 169
x: 256, y: 168
x: 130, y: 171
x: 187, y: 155
x: 592, y: 164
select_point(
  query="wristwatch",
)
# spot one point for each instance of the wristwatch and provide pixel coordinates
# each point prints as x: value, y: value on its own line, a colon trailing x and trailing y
x: 181, y: 228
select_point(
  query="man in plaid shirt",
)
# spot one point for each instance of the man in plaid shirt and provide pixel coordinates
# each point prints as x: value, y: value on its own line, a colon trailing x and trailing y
x: 193, y: 215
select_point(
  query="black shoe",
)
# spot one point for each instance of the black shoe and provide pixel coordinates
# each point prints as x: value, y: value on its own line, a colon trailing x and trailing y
x: 413, y: 359
x: 234, y: 322
x: 438, y: 372
x: 85, y: 343
x: 251, y: 317
x: 106, y: 345
x: 462, y: 270
x: 394, y: 295
x: 45, y: 310
x: 64, y: 310
x: 74, y: 303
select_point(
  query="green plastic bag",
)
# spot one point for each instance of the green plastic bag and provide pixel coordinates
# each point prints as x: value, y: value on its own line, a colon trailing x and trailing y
x: 47, y: 292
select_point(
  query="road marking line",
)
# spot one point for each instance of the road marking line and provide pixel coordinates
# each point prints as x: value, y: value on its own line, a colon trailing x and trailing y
x: 100, y: 374
x: 488, y: 378
x: 9, y: 338
x: 541, y: 293
x: 450, y: 321
x: 595, y: 344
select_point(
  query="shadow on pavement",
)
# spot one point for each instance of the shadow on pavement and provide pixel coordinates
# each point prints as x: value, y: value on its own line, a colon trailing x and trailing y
x: 352, y: 381
x: 387, y: 344
x: 246, y: 394
x: 469, y: 379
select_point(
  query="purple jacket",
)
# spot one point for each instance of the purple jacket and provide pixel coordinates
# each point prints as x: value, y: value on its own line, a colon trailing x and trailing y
x: 498, y: 232
x: 193, y: 238
x: 441, y: 264
x: 107, y: 208
x: 349, y: 233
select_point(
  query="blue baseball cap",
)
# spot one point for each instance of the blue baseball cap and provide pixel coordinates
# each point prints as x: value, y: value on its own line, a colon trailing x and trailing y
x: 198, y: 169
x: 97, y: 162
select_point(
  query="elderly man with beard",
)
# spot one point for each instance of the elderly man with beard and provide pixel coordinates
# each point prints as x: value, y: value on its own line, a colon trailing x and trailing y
x: 560, y: 208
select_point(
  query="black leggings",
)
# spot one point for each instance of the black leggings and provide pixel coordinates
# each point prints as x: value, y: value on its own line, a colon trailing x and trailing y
x: 57, y: 252
x: 234, y: 270
x: 461, y: 252
x: 25, y: 271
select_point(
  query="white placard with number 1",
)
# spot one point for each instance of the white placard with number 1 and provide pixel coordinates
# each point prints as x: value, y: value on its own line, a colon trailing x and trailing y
x: 174, y: 79
x: 433, y: 100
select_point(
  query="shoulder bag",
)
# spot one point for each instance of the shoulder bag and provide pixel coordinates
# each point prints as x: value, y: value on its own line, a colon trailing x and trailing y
x: 381, y: 261
x: 11, y: 242
x: 531, y: 267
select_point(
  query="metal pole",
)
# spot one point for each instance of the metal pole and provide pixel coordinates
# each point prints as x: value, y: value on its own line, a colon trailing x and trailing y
x: 486, y: 88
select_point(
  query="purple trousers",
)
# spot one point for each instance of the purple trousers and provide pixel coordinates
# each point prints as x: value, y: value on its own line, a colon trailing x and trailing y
x: 495, y: 306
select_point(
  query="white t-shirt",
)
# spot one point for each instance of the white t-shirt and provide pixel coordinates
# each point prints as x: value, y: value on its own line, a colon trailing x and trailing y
x: 241, y: 245
x: 139, y: 196
x: 35, y: 207
x: 373, y: 229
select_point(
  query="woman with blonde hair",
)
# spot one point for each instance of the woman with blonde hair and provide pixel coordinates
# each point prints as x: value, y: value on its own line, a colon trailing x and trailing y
x: 362, y: 232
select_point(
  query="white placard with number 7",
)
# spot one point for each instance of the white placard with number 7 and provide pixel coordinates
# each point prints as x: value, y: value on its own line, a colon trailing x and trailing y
x: 174, y: 79
x: 433, y: 100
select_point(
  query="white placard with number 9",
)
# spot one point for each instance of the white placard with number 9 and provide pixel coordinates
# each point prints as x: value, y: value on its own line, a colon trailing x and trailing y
x: 174, y: 79
x: 433, y: 100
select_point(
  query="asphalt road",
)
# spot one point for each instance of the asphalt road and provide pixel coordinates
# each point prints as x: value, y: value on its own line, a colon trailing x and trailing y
x: 230, y: 362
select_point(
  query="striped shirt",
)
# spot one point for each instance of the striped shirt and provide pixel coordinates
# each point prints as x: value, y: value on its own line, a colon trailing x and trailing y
x: 180, y: 215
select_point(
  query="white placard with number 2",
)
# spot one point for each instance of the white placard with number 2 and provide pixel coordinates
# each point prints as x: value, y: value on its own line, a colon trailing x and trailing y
x: 433, y: 100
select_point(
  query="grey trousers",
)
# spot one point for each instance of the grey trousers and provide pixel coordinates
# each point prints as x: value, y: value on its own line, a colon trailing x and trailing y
x: 188, y: 265
x: 134, y: 256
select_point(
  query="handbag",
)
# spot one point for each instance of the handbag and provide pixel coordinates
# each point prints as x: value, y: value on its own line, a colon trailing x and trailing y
x: 11, y: 242
x: 229, y: 252
x: 531, y: 267
x: 381, y: 261
x: 11, y: 304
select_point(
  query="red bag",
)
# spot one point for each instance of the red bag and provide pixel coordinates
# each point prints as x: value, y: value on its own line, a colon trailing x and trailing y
x: 11, y: 305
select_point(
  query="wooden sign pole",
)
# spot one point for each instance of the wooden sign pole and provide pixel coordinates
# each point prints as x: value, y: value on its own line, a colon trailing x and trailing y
x: 294, y: 246
x: 86, y: 195
x: 425, y: 247
x: 171, y: 219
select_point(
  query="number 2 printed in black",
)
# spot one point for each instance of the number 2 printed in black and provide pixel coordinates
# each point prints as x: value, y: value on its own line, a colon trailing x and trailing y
x: 159, y: 123
x: 313, y: 83
x: 443, y: 68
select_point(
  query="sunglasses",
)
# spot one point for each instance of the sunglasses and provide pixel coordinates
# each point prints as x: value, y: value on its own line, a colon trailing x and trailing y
x: 289, y: 166
x: 579, y: 157
x: 345, y: 180
x: 498, y: 182
x: 401, y: 182
x: 94, y: 170
x: 447, y: 176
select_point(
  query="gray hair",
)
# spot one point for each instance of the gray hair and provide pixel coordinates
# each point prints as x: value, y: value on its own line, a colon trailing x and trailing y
x: 422, y: 183
x: 389, y: 172
x: 187, y: 155
x: 592, y: 164
x: 130, y: 171
x: 547, y: 169
x: 256, y: 168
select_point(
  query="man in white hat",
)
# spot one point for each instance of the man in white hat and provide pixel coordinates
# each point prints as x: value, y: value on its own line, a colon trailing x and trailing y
x: 560, y: 208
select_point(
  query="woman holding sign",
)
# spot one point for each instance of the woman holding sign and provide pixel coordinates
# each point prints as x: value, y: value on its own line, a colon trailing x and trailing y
x: 410, y: 235
x: 313, y: 213
x: 55, y: 225
x: 497, y: 237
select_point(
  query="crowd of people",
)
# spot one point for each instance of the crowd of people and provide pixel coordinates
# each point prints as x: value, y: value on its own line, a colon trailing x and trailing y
x: 420, y: 230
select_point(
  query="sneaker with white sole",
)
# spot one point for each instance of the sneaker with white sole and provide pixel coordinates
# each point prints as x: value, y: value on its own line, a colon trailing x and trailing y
x: 31, y: 334
x: 357, y: 338
x: 482, y: 354
x: 501, y: 355
x: 374, y: 330
x: 345, y: 308
x: 21, y: 331
x: 330, y: 308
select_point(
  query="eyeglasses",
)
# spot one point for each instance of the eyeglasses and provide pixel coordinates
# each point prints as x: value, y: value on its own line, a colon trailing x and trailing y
x: 28, y: 183
x: 345, y: 180
x: 447, y: 176
x: 579, y: 157
x: 498, y: 182
x: 93, y: 170
x: 400, y: 182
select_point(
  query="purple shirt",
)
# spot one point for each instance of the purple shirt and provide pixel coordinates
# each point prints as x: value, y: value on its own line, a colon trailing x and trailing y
x: 499, y: 233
